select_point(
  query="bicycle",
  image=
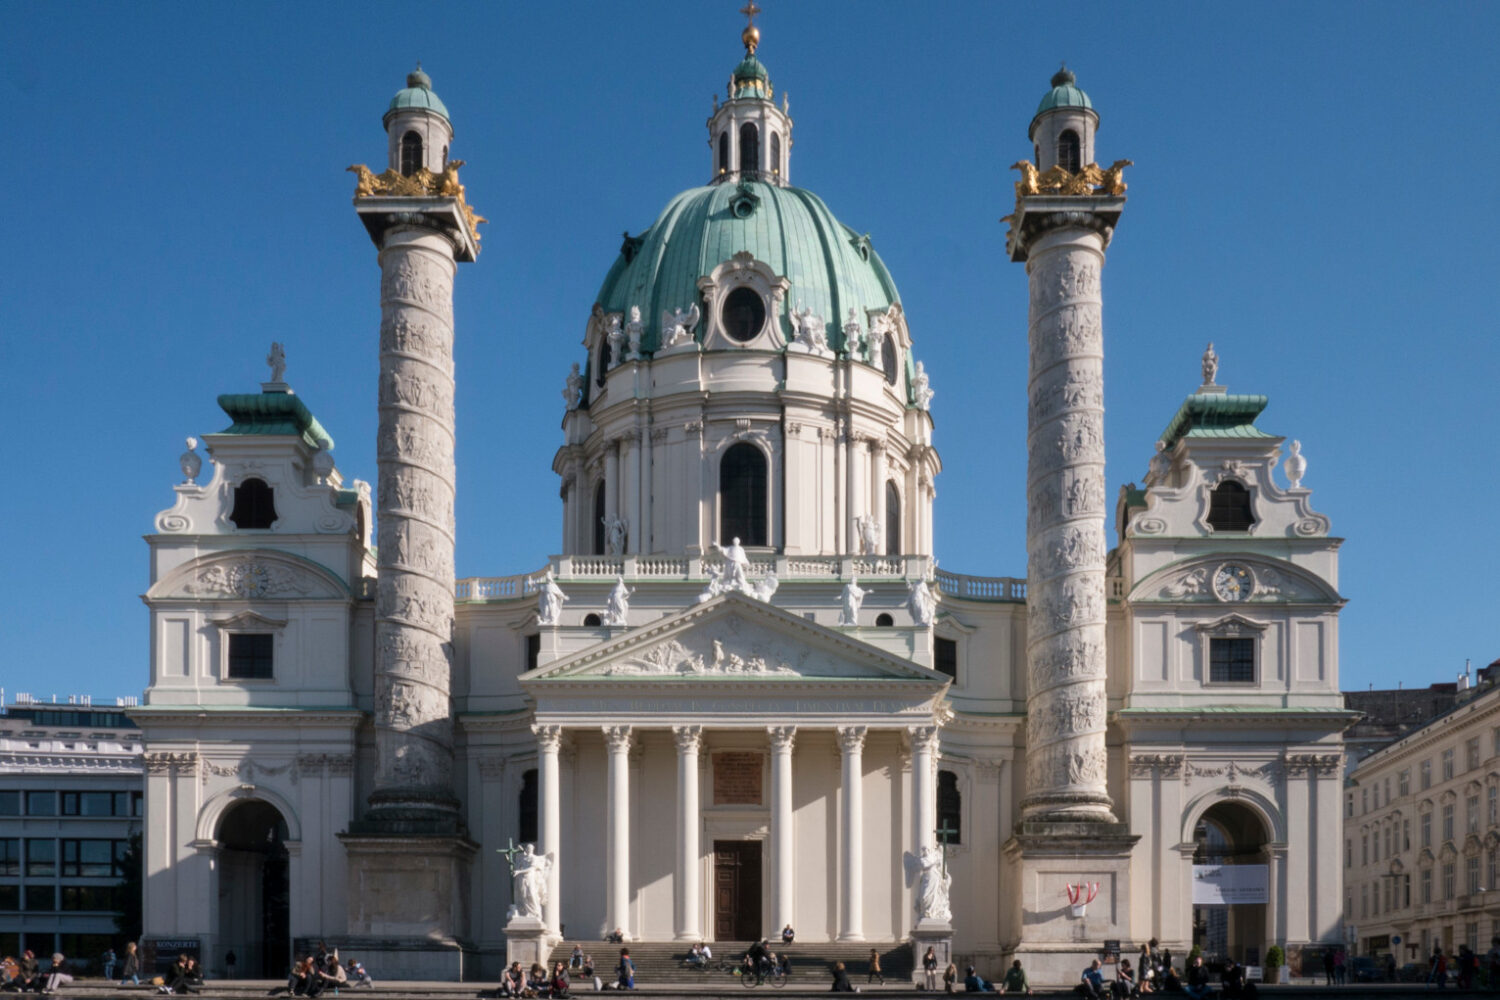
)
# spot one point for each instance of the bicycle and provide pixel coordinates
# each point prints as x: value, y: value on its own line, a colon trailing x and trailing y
x: 776, y: 976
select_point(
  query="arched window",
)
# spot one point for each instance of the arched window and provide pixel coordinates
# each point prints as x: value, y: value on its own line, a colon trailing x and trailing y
x: 1069, y: 151
x: 892, y: 519
x: 526, y: 808
x: 411, y: 153
x: 445, y: 156
x: 592, y: 620
x: 749, y: 149
x: 950, y: 807
x: 599, y: 518
x: 723, y: 152
x: 889, y: 360
x: 254, y: 505
x: 884, y: 620
x: 1229, y: 507
x: 776, y: 153
x: 742, y: 495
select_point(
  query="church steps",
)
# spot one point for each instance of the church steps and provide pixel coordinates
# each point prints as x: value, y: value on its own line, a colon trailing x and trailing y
x: 660, y: 963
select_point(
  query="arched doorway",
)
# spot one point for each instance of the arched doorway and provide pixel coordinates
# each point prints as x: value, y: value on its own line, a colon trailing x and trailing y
x: 254, y: 891
x: 1231, y: 834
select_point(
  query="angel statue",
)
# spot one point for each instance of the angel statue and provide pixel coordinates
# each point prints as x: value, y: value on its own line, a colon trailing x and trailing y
x: 634, y: 330
x: 849, y: 602
x: 921, y: 389
x: 550, y: 600
x: 530, y: 872
x: 573, y: 390
x: 932, y: 889
x: 615, y: 336
x: 277, y: 360
x: 809, y: 332
x: 618, y: 608
x: 678, y: 325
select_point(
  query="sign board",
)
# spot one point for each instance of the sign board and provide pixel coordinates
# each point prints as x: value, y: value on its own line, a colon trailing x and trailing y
x: 161, y: 953
x: 1225, y: 885
x: 1254, y: 972
x: 737, y: 778
x: 1111, y: 951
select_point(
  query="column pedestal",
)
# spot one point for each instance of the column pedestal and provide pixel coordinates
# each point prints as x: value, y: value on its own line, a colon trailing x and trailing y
x: 409, y: 905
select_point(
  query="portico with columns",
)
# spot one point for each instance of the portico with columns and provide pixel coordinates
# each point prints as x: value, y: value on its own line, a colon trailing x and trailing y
x: 736, y: 723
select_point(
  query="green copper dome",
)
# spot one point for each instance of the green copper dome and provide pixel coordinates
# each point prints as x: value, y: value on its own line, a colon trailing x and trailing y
x: 1064, y: 93
x: 418, y: 93
x: 830, y: 266
x: 751, y: 79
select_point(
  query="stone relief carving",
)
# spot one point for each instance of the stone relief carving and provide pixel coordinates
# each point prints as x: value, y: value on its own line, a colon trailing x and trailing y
x: 406, y: 332
x: 417, y: 389
x: 1055, y: 607
x: 1192, y: 584
x: 1168, y: 765
x: 248, y: 578
x: 423, y: 282
x: 1069, y: 332
x: 1073, y: 711
x: 727, y: 647
x: 1067, y: 389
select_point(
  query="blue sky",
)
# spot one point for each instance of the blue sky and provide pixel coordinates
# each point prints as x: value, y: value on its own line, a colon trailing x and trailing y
x: 1315, y: 190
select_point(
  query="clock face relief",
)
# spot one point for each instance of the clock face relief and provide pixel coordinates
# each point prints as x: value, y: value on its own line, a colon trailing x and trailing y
x: 1233, y: 582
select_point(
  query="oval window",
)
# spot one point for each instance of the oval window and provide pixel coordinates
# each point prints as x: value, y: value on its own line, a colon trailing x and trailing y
x: 744, y: 314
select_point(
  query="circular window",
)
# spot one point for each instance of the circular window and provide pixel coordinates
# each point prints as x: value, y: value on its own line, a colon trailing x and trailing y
x: 744, y: 314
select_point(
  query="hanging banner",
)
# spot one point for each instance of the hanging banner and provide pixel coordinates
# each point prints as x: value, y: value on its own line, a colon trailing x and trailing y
x: 1225, y: 885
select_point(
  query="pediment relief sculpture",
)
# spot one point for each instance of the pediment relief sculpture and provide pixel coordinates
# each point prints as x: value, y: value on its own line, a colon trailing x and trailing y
x: 252, y: 575
x: 1232, y: 578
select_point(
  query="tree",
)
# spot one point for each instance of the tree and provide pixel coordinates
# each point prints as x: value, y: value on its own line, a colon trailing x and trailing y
x: 129, y: 898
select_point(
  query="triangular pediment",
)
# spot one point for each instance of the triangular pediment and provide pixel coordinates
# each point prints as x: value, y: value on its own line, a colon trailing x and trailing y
x: 735, y: 638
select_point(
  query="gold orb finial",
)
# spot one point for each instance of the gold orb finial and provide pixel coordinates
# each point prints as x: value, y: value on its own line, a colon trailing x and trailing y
x: 751, y: 35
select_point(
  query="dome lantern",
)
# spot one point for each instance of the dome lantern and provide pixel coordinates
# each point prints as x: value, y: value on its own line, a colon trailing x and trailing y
x: 748, y: 136
x: 418, y: 127
x: 1062, y: 131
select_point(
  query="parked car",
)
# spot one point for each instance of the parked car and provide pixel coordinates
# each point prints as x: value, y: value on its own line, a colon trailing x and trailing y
x: 1411, y: 972
x: 1364, y: 969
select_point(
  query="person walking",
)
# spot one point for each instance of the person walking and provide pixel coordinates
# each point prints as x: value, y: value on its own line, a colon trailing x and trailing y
x: 109, y: 961
x: 929, y: 968
x: 626, y: 970
x: 131, y: 973
x: 875, y: 972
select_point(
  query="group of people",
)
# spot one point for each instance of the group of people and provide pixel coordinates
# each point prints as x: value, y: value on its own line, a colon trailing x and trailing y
x: 26, y: 975
x: 537, y: 981
x: 322, y: 970
x: 1153, y: 973
x: 760, y: 961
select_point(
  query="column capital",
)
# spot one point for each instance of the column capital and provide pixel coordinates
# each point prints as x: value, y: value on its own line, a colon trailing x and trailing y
x: 617, y: 738
x: 924, y: 739
x: 852, y: 738
x: 548, y: 737
x: 782, y: 737
x: 689, y: 738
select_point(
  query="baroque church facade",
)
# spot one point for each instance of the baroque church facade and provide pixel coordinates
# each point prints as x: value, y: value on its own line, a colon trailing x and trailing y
x: 743, y: 695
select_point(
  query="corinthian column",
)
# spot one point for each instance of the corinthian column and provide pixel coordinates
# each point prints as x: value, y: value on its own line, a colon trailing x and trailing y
x: 782, y: 738
x: 549, y: 827
x: 414, y: 597
x: 852, y: 897
x: 689, y: 741
x: 617, y: 847
x: 1065, y: 705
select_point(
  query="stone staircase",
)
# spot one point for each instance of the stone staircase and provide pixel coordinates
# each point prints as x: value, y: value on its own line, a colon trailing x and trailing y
x: 660, y: 963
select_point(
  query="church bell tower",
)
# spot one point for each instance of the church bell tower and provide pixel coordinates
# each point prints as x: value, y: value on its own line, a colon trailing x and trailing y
x: 409, y: 853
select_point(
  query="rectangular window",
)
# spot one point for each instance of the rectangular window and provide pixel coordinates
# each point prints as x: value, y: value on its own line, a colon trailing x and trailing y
x: 1425, y: 775
x: 1471, y: 754
x: 1471, y: 934
x: 10, y: 897
x: 41, y: 898
x: 1495, y: 736
x: 10, y: 803
x: 1403, y: 783
x: 1405, y: 890
x: 1427, y: 829
x: 1349, y: 805
x: 88, y: 804
x: 1492, y: 807
x: 250, y: 656
x: 1448, y: 880
x: 1406, y: 834
x: 92, y: 858
x: 1388, y: 832
x: 1348, y: 853
x: 1473, y: 808
x: 1493, y: 869
x: 1448, y: 764
x: 88, y: 897
x: 10, y: 856
x: 41, y: 803
x: 1364, y: 901
x: 1231, y: 661
x: 1426, y: 885
x: 1448, y: 821
x: 1471, y: 875
x: 1364, y: 801
x: 945, y: 656
x: 1377, y: 796
x: 41, y: 858
x: 1364, y: 848
x: 1385, y: 891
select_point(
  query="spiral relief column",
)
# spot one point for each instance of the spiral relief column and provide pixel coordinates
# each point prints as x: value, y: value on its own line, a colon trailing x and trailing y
x: 409, y: 853
x: 1065, y: 705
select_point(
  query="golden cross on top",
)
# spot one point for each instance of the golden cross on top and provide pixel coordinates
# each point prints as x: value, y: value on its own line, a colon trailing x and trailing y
x: 750, y: 10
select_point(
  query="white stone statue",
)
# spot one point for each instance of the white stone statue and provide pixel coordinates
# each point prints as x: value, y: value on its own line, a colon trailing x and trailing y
x: 277, y: 360
x: 1296, y: 465
x: 922, y: 601
x: 715, y: 584
x: 1210, y: 365
x: 573, y: 390
x: 549, y: 600
x: 809, y: 332
x: 615, y: 335
x: 932, y: 889
x: 190, y: 462
x: 854, y: 334
x: 875, y: 345
x: 854, y: 596
x: 615, y: 529
x: 618, y: 608
x: 678, y: 325
x: 530, y: 873
x: 1161, y: 463
x: 634, y: 330
x: 736, y: 568
x: 869, y: 534
x: 766, y: 589
x: 322, y: 463
x: 921, y: 391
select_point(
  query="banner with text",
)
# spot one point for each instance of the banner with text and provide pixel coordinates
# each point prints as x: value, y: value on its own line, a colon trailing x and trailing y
x: 1220, y: 885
